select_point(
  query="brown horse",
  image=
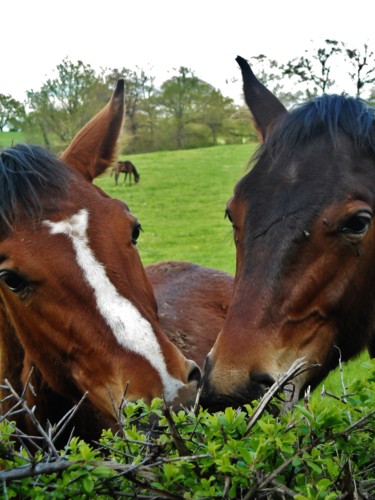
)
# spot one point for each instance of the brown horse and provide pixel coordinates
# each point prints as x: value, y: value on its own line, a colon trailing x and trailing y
x: 305, y: 236
x: 75, y: 302
x: 128, y: 168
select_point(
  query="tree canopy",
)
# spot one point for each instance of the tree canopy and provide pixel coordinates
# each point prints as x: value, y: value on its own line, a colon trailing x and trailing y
x: 185, y: 111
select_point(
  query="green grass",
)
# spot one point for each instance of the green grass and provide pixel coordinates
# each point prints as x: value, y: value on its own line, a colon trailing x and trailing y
x: 180, y: 202
x: 9, y: 138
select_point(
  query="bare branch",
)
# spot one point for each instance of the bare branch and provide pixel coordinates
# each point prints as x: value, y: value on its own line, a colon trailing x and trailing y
x: 34, y: 470
x: 34, y: 420
x: 297, y: 367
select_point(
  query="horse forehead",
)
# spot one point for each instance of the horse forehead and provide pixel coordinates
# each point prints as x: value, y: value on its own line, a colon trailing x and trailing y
x: 312, y: 176
x: 281, y: 205
x: 130, y: 328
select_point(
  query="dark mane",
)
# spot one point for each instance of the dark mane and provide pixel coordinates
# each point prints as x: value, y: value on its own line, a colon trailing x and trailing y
x: 328, y: 113
x: 32, y: 181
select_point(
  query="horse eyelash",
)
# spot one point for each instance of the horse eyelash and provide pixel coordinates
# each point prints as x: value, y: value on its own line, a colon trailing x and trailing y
x: 227, y: 215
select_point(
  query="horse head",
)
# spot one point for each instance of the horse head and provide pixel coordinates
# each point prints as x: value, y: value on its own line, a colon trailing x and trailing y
x: 75, y: 300
x: 303, y: 227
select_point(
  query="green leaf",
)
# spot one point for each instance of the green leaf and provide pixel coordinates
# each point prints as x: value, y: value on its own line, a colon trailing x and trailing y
x: 305, y: 412
x: 88, y: 484
x: 323, y: 484
x: 314, y: 466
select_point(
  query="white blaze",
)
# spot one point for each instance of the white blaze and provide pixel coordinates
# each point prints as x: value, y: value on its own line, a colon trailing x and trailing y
x: 131, y: 330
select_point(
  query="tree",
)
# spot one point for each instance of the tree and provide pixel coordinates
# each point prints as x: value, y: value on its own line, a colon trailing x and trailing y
x: 12, y: 112
x: 314, y: 67
x: 267, y: 70
x: 140, y: 94
x: 214, y: 109
x: 65, y: 103
x: 272, y: 75
x: 363, y: 66
x: 177, y: 97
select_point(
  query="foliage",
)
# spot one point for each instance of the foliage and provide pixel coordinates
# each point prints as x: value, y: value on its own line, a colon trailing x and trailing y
x: 314, y: 67
x: 141, y: 105
x: 362, y: 63
x: 12, y: 112
x: 322, y: 449
x: 187, y: 100
x: 65, y: 103
x: 315, y: 72
x: 185, y: 112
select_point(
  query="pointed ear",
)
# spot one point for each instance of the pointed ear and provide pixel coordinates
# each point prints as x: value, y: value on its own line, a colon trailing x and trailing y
x: 93, y: 149
x: 263, y: 105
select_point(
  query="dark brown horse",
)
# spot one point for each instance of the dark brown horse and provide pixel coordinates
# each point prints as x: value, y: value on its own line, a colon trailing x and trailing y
x: 75, y: 302
x: 303, y: 227
x: 128, y: 168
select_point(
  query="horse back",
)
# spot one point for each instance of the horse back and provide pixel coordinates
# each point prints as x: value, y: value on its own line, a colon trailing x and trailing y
x: 192, y: 304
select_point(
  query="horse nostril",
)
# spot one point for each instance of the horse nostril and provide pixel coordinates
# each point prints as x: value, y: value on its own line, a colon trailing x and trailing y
x: 194, y: 375
x: 262, y: 378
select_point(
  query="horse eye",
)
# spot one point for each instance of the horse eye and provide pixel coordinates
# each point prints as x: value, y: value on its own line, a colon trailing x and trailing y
x: 356, y: 225
x: 228, y: 215
x: 14, y: 281
x: 136, y: 232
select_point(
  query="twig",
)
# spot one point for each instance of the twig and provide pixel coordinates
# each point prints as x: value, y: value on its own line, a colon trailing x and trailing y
x: 35, y: 470
x: 227, y: 484
x: 178, y: 441
x: 358, y: 423
x: 118, y: 410
x: 35, y: 421
x: 197, y: 398
x: 284, y: 489
x: 293, y: 371
x: 68, y: 417
x: 271, y: 477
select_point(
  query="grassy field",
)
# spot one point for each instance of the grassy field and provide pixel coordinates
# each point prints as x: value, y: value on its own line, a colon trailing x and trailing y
x: 9, y: 138
x: 180, y: 202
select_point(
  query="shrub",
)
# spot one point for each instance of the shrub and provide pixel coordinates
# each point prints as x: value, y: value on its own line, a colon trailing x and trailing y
x: 323, y: 449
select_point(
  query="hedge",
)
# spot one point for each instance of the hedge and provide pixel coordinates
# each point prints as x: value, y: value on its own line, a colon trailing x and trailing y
x: 323, y: 449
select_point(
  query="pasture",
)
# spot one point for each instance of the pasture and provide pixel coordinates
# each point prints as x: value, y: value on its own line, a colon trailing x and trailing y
x: 180, y: 202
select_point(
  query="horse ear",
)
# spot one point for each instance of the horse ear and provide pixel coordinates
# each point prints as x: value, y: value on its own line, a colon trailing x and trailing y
x: 263, y: 105
x: 93, y: 148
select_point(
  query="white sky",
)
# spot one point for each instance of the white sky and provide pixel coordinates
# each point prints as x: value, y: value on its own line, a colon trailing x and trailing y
x: 162, y: 35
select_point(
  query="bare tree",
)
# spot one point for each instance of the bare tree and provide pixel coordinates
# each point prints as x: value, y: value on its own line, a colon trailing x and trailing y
x: 363, y: 66
x: 315, y: 66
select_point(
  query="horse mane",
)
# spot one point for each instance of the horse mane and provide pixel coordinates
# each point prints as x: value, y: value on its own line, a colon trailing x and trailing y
x: 328, y: 113
x: 32, y: 181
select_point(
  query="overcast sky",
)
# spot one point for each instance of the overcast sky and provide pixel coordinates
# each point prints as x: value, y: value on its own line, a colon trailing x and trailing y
x: 160, y: 35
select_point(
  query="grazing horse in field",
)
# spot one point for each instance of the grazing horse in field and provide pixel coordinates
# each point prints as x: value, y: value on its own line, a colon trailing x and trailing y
x: 75, y: 302
x: 304, y: 229
x: 128, y: 168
